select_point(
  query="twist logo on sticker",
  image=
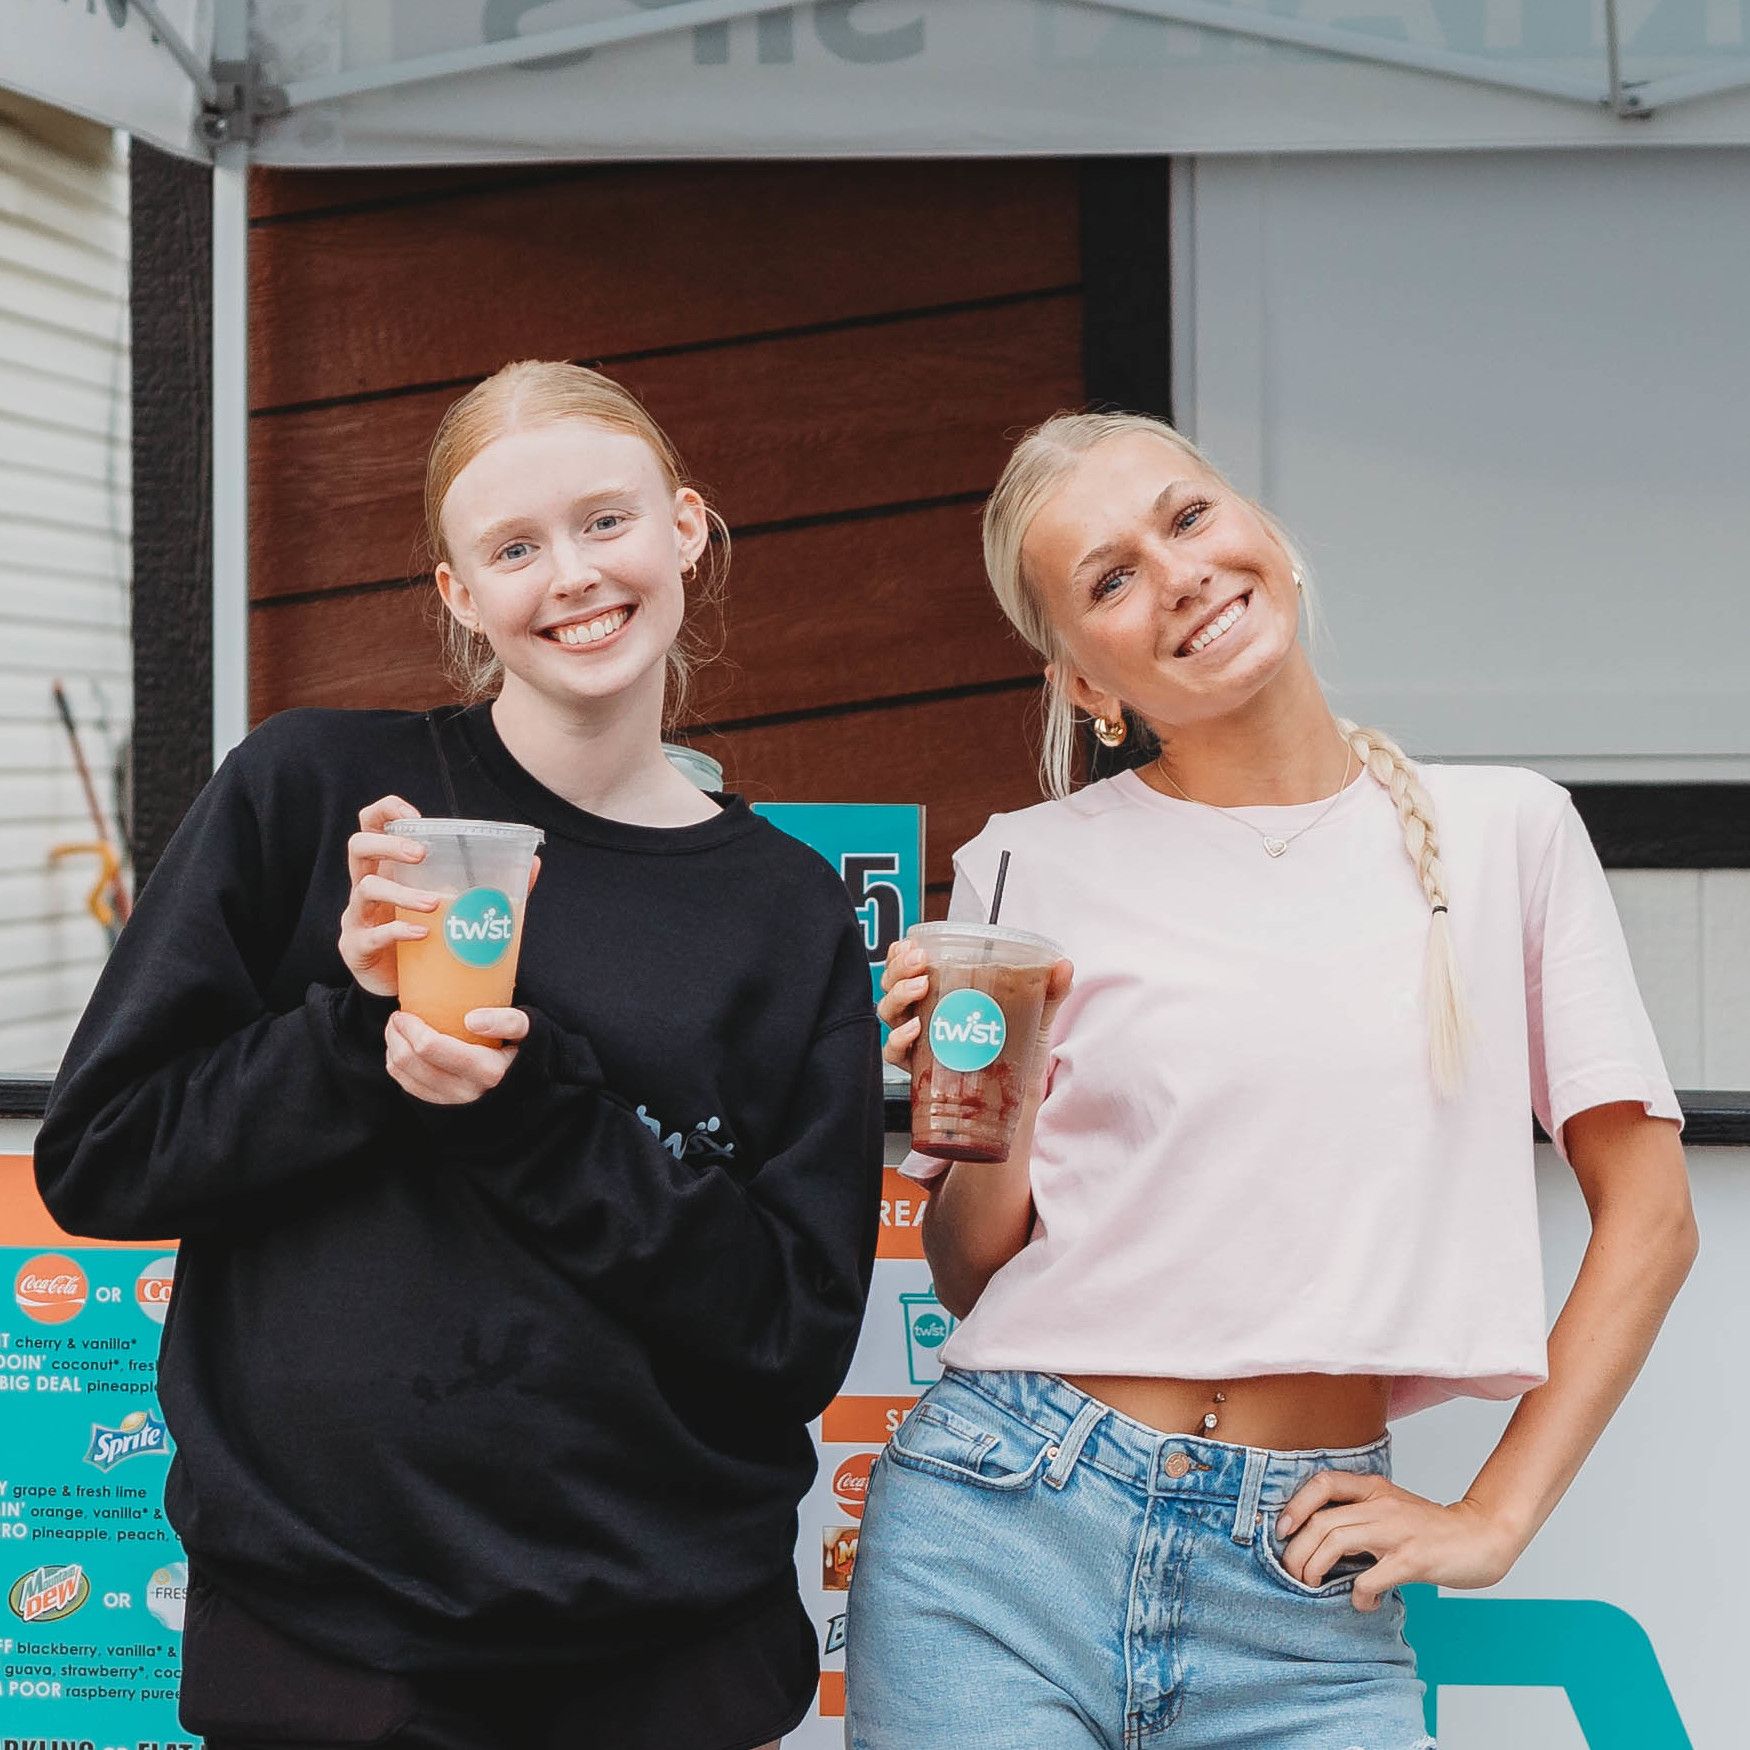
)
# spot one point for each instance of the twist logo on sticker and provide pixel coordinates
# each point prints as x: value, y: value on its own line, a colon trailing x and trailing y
x: 479, y: 926
x: 967, y: 1030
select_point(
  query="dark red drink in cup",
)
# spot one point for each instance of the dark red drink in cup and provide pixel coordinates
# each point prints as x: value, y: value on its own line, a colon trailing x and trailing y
x: 978, y: 1048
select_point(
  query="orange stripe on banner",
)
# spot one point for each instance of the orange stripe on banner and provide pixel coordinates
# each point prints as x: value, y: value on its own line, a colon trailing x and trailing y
x: 863, y: 1421
x: 832, y: 1695
x: 24, y: 1221
x: 903, y: 1202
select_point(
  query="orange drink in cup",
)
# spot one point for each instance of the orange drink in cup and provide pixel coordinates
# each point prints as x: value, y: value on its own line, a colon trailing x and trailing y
x: 467, y: 958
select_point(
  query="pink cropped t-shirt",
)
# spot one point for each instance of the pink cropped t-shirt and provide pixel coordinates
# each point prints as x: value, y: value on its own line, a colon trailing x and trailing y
x: 1241, y: 1165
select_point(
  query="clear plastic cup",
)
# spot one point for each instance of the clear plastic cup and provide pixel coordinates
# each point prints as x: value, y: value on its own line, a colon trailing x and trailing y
x: 978, y: 1049
x: 467, y: 958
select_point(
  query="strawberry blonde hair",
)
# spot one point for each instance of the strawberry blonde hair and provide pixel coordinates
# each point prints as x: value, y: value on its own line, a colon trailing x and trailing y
x: 1039, y: 463
x: 533, y: 392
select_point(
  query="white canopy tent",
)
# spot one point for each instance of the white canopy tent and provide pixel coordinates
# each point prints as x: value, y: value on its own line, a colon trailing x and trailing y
x: 407, y: 82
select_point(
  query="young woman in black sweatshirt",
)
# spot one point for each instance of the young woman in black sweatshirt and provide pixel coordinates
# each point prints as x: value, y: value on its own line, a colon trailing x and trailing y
x: 490, y: 1367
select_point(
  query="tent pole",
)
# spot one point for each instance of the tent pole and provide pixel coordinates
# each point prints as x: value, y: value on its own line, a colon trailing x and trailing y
x: 230, y: 424
x: 1704, y: 82
x: 180, y: 52
x: 230, y: 447
x: 1623, y: 101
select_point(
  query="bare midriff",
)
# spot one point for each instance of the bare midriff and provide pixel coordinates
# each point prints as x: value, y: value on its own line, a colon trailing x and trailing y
x: 1283, y: 1412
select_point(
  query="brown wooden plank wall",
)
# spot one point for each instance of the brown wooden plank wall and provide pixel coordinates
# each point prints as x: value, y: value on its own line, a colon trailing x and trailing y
x: 842, y: 354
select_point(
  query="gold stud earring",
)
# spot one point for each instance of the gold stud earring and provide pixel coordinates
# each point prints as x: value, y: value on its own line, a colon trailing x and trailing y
x: 1110, y: 733
x: 1300, y: 583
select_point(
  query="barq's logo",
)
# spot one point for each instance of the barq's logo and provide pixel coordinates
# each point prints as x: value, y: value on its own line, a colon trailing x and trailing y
x: 479, y: 926
x: 967, y: 1031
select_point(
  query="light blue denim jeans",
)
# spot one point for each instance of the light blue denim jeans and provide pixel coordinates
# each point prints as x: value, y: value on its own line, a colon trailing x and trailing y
x: 1037, y: 1571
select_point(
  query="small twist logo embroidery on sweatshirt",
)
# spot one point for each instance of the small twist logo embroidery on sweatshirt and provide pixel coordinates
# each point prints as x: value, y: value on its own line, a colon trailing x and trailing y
x: 701, y: 1143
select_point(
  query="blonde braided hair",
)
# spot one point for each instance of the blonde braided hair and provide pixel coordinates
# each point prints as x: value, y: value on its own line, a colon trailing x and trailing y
x: 1388, y: 765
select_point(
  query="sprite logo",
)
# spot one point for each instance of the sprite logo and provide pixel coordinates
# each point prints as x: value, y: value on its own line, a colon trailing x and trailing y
x: 142, y: 1433
x: 478, y: 926
x: 967, y: 1030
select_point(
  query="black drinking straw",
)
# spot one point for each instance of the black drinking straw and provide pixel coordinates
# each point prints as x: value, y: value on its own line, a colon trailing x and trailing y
x: 996, y: 899
x: 437, y: 743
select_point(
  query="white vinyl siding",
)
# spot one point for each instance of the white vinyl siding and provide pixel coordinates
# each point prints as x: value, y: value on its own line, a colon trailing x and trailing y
x: 64, y: 557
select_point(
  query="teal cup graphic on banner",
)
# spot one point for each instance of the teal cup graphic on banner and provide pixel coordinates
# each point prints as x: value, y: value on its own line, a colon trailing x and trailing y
x: 927, y: 1327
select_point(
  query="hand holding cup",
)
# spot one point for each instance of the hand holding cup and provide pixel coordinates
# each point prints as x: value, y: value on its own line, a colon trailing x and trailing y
x: 905, y: 982
x: 369, y: 928
x: 444, y: 1071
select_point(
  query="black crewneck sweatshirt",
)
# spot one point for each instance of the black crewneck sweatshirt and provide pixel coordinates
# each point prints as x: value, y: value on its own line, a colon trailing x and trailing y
x: 520, y: 1381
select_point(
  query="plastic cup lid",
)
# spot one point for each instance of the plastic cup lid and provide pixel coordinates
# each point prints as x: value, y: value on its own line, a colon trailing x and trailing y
x: 465, y: 829
x: 984, y: 933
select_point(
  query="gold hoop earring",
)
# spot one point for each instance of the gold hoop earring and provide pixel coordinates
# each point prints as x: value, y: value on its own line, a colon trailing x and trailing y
x: 1110, y: 733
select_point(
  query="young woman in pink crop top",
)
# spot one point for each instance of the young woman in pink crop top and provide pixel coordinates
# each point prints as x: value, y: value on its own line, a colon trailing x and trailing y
x: 1274, y: 1185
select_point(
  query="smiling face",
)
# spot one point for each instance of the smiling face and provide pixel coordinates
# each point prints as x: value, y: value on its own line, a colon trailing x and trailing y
x: 1166, y: 590
x: 565, y: 543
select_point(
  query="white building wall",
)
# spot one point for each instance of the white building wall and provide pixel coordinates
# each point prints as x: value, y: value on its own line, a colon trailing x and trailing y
x: 64, y: 554
x: 1498, y: 397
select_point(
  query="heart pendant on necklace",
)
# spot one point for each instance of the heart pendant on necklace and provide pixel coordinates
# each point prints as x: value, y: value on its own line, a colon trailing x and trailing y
x: 1276, y: 846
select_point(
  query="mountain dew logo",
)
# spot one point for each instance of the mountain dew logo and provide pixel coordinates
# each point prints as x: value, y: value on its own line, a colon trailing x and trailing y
x: 479, y: 925
x: 967, y: 1030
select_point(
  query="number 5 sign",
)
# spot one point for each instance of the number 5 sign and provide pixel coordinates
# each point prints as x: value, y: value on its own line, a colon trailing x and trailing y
x: 878, y: 849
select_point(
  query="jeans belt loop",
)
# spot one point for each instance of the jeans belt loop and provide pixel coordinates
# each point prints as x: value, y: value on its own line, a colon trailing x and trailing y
x: 1251, y: 1491
x: 1069, y: 1448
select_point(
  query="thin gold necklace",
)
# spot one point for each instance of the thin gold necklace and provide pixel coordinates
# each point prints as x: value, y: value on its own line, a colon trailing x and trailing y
x: 1274, y: 845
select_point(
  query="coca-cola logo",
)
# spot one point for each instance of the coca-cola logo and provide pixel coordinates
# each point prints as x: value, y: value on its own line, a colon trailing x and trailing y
x: 51, y: 1288
x: 850, y: 1483
x: 152, y: 1289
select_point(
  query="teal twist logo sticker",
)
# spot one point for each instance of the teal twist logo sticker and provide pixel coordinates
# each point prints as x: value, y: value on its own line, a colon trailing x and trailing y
x: 967, y: 1030
x: 479, y: 926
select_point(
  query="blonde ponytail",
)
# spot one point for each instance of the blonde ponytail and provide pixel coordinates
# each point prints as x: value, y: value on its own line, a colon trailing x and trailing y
x: 1448, y: 1018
